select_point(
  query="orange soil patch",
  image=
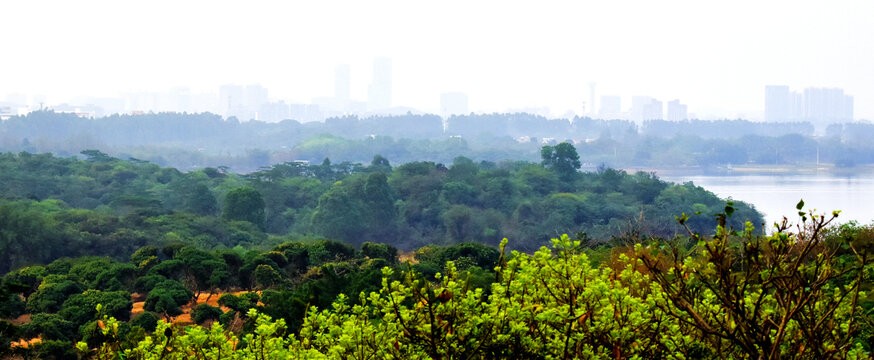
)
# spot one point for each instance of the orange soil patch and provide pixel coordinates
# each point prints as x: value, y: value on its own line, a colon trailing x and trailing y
x: 404, y: 256
x: 185, y: 318
x: 137, y: 309
x: 24, y: 343
x: 21, y: 320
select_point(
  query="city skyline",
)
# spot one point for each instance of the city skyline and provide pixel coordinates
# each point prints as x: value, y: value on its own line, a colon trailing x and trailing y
x: 817, y: 105
x: 502, y: 55
x: 252, y: 102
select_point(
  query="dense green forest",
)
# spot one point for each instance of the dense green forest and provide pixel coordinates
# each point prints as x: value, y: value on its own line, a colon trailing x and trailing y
x: 124, y: 259
x: 52, y: 206
x: 730, y: 294
x: 189, y: 141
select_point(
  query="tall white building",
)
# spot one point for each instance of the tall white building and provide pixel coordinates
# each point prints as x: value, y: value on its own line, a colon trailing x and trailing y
x: 637, y: 105
x: 453, y: 103
x: 819, y: 106
x: 646, y: 108
x: 778, y: 103
x: 242, y: 102
x: 654, y: 110
x: 677, y: 111
x: 592, y: 107
x: 341, y: 82
x: 379, y: 93
x: 796, y: 106
x: 824, y: 106
x: 611, y: 107
x: 256, y: 95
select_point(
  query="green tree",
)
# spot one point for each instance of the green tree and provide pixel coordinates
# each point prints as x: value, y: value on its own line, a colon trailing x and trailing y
x: 204, y: 312
x: 167, y: 297
x: 379, y: 199
x: 81, y: 308
x: 266, y: 276
x: 380, y: 251
x: 562, y: 158
x: 51, y: 294
x: 201, y: 201
x: 380, y: 164
x: 339, y: 215
x: 794, y: 293
x: 245, y: 204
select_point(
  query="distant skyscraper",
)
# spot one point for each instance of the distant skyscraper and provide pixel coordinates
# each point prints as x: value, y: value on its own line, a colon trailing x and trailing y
x: 231, y: 99
x: 274, y: 111
x: 677, y: 111
x: 778, y: 103
x: 819, y: 106
x: 379, y: 93
x: 653, y: 111
x: 637, y: 105
x: 256, y: 95
x: 341, y: 82
x: 796, y: 106
x: 646, y: 108
x: 454, y: 103
x: 823, y: 106
x: 179, y: 99
x: 849, y: 111
x: 592, y: 99
x: 611, y: 107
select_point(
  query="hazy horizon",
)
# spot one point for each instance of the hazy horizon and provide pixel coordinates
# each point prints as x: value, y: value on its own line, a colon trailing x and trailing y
x: 714, y: 58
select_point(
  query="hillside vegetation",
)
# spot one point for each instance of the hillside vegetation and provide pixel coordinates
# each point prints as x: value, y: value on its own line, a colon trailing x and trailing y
x: 109, y: 258
x: 53, y: 207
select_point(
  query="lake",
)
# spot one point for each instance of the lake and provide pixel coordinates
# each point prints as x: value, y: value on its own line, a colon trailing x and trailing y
x: 777, y: 195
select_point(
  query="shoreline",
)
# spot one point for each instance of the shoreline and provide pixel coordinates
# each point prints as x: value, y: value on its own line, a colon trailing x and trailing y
x: 762, y: 170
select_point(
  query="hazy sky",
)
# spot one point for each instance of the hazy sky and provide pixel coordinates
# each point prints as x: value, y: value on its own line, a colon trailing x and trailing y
x: 714, y: 56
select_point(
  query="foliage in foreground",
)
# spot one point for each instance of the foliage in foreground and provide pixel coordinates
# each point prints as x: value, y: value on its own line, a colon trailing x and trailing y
x: 735, y: 295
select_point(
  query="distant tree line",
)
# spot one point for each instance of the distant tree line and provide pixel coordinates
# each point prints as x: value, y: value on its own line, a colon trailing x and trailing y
x: 188, y: 141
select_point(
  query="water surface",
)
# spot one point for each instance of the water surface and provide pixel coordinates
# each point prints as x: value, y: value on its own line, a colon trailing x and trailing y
x: 777, y: 195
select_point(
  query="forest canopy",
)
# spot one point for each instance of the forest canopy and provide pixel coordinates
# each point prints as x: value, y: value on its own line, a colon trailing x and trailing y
x: 100, y: 205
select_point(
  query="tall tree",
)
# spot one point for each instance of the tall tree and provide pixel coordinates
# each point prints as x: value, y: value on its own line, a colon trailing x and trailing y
x: 562, y: 158
x: 245, y: 204
x: 379, y: 200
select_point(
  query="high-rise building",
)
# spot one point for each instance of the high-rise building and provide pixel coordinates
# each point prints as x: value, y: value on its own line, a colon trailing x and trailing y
x: 646, y: 108
x: 256, y: 95
x: 677, y: 111
x: 341, y: 82
x: 823, y: 106
x: 654, y: 110
x: 305, y: 112
x: 819, y: 106
x: 592, y: 110
x: 231, y: 100
x: 849, y: 112
x: 178, y: 100
x: 454, y: 103
x: 778, y: 103
x: 242, y: 102
x: 274, y: 111
x: 379, y: 93
x: 796, y: 106
x: 637, y: 107
x: 611, y: 107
